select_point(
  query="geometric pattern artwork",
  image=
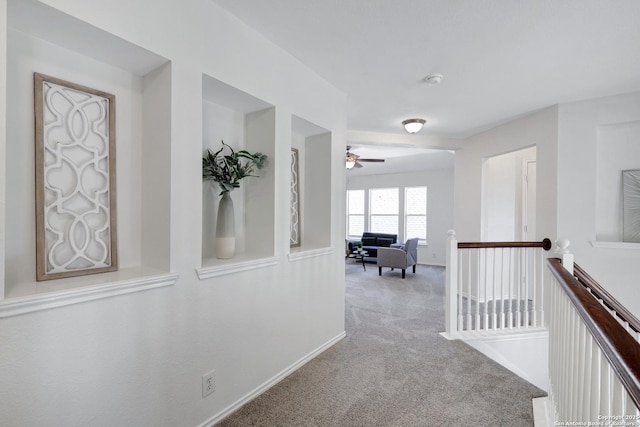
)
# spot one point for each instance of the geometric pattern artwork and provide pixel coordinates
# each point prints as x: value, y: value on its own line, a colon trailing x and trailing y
x: 75, y: 179
x: 295, y: 201
x: 631, y: 205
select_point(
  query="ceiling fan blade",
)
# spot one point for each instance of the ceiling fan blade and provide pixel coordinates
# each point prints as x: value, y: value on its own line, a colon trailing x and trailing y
x: 357, y: 165
x: 371, y: 160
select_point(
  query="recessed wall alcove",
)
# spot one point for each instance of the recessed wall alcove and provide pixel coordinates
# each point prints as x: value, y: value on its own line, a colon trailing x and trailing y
x: 313, y: 143
x: 242, y: 121
x: 44, y: 40
x: 617, y: 149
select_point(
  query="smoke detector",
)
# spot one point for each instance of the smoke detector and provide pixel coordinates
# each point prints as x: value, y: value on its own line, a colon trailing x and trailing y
x: 433, y: 79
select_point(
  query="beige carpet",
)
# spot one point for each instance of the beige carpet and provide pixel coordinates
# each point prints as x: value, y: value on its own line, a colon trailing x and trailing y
x: 393, y: 369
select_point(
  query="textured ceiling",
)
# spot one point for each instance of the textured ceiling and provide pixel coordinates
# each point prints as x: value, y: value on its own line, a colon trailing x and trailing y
x: 500, y: 58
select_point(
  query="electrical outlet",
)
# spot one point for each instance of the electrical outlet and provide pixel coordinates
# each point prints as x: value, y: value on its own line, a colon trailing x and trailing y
x: 208, y: 384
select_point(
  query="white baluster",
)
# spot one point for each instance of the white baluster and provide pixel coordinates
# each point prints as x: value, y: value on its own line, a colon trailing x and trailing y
x: 485, y: 251
x: 469, y: 315
x: 478, y: 275
x: 502, y: 300
x: 451, y: 281
x: 460, y: 292
x: 493, y: 289
x: 511, y: 281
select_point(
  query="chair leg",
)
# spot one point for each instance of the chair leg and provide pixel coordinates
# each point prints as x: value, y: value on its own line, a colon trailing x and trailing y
x: 414, y: 268
x: 403, y: 273
x: 379, y: 271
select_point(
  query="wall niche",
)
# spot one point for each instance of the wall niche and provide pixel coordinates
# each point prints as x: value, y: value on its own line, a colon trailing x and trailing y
x: 313, y: 144
x: 617, y: 149
x: 243, y: 122
x: 44, y: 40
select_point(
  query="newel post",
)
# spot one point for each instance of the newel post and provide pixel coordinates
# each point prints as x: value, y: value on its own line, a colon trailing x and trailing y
x: 451, y: 285
x: 562, y: 249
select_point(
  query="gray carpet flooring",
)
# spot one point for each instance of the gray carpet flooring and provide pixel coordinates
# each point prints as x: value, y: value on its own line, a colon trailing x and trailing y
x: 393, y: 368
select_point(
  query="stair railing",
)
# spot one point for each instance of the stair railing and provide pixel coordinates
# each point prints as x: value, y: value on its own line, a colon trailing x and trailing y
x: 594, y: 351
x: 493, y: 287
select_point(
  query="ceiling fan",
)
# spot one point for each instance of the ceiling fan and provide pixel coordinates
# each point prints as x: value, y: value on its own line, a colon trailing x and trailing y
x: 353, y: 160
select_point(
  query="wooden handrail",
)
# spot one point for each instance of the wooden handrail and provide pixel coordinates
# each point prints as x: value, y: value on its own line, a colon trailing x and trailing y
x: 618, y: 345
x: 545, y: 244
x: 607, y: 299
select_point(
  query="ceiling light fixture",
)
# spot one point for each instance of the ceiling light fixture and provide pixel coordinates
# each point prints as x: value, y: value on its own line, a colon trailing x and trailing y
x: 433, y: 79
x: 413, y: 125
x: 350, y: 164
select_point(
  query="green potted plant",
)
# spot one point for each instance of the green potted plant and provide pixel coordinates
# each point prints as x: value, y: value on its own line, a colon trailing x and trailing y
x: 227, y: 169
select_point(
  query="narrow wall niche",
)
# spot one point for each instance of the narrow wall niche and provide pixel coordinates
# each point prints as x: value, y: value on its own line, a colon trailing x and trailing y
x: 243, y: 122
x: 312, y: 206
x: 44, y: 40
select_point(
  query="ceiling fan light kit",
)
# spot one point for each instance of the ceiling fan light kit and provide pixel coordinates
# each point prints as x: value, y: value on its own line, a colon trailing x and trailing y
x: 413, y: 125
x: 353, y: 160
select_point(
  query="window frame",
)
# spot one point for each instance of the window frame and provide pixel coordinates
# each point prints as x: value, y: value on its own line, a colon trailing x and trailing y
x: 406, y: 215
x: 396, y: 215
x: 349, y: 214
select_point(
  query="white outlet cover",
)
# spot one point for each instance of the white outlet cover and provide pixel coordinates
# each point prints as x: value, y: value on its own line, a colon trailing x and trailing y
x: 208, y: 383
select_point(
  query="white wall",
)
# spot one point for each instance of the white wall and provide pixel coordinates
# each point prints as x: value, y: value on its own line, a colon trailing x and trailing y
x: 439, y: 184
x: 597, y: 139
x: 581, y: 149
x: 539, y: 130
x: 137, y: 359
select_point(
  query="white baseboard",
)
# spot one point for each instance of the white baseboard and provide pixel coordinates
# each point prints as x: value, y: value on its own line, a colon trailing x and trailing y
x: 271, y: 382
x: 542, y: 412
x: 433, y: 264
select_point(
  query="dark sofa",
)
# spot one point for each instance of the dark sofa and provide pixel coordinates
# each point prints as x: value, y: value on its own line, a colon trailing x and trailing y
x: 372, y: 241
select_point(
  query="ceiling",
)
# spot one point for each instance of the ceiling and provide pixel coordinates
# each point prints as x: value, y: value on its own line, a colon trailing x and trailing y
x: 500, y: 58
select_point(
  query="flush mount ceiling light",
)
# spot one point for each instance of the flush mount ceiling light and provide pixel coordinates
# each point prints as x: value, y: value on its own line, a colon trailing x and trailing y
x: 413, y: 125
x: 433, y: 79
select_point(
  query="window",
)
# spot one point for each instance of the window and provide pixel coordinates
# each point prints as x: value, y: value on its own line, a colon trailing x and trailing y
x: 355, y: 213
x: 383, y: 210
x: 415, y: 213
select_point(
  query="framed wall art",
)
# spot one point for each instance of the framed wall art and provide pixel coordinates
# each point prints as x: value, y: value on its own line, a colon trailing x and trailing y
x: 631, y: 206
x: 75, y: 164
x: 295, y: 200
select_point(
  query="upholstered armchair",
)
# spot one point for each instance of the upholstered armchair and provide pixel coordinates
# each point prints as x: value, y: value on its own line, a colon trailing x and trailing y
x: 402, y: 258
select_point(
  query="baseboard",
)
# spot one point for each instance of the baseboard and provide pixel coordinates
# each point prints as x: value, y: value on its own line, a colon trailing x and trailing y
x: 542, y: 412
x: 271, y: 382
x: 431, y: 264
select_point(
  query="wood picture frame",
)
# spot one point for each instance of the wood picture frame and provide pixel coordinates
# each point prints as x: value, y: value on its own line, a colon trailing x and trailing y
x: 75, y: 171
x: 294, y: 237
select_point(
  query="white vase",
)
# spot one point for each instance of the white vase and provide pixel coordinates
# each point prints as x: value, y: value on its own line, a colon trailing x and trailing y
x: 225, y: 243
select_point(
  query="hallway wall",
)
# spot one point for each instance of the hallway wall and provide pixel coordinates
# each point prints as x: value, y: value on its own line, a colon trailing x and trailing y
x: 537, y: 129
x: 138, y: 358
x: 581, y: 149
x: 597, y: 139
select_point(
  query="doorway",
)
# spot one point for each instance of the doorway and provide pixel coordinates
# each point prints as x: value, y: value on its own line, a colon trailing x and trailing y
x: 509, y: 196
